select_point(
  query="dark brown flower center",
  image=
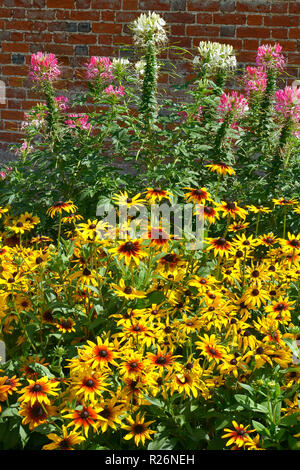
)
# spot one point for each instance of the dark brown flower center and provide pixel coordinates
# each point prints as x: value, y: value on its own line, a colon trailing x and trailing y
x: 36, y: 388
x: 102, y: 353
x: 138, y: 428
x: 84, y: 414
x: 161, y: 360
x: 89, y: 383
x: 37, y: 411
x: 230, y: 205
x: 106, y: 413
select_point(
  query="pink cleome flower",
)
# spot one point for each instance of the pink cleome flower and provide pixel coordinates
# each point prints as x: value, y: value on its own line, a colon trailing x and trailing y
x: 3, y: 174
x: 99, y: 67
x: 232, y: 103
x: 43, y: 66
x: 62, y: 102
x: 117, y: 91
x: 78, y: 120
x: 288, y: 103
x: 254, y: 80
x: 270, y: 57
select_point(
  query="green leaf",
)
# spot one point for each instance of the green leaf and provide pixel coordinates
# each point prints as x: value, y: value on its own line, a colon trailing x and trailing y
x: 293, y: 346
x: 247, y: 402
x: 164, y: 443
x: 260, y: 428
x: 42, y: 370
x: 10, y: 412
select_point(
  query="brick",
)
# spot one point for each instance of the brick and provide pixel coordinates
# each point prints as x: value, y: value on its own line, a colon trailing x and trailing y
x: 131, y: 5
x: 12, y: 115
x: 62, y: 26
x: 249, y: 32
x: 85, y: 15
x: 108, y: 16
x: 199, y: 30
x: 15, y: 82
x: 125, y: 16
x: 124, y: 40
x: 178, y: 5
x: 107, y: 28
x: 83, y: 4
x: 38, y: 3
x: 5, y: 35
x: 177, y: 29
x: 204, y: 18
x: 104, y: 39
x: 154, y: 5
x: 106, y: 5
x: 41, y: 14
x: 248, y: 56
x: 227, y: 5
x: 294, y: 33
x: 205, y: 5
x: 257, y: 6
x: 224, y: 19
x: 11, y: 137
x: 5, y: 58
x: 294, y: 7
x: 251, y: 44
x: 102, y: 51
x: 16, y: 37
x: 81, y: 50
x: 282, y: 20
x: 18, y: 59
x: 17, y: 3
x: 228, y: 31
x: 19, y: 25
x: 280, y: 33
x: 180, y: 41
x: 84, y: 27
x: 82, y: 39
x: 173, y: 17
x: 279, y: 7
x: 19, y: 70
x: 38, y: 37
x: 254, y: 20
x: 60, y: 4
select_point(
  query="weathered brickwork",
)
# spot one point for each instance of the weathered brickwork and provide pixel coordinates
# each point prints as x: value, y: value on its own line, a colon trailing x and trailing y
x: 77, y: 29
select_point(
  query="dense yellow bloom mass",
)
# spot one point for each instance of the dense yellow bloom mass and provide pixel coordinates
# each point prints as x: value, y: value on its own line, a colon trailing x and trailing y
x: 123, y: 323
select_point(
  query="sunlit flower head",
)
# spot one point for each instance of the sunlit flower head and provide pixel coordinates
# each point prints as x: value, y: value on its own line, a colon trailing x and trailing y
x: 270, y: 57
x: 147, y: 27
x: 43, y: 66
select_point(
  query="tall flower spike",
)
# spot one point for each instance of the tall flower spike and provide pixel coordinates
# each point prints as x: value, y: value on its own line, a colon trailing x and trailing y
x: 149, y: 27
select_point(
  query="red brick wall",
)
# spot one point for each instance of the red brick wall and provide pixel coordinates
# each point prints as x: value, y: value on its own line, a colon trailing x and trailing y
x: 77, y: 29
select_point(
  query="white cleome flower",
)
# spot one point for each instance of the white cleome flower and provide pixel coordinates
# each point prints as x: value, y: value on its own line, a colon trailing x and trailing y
x: 140, y: 68
x: 213, y: 56
x: 120, y: 63
x: 151, y: 26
